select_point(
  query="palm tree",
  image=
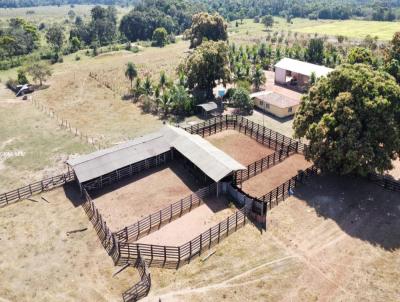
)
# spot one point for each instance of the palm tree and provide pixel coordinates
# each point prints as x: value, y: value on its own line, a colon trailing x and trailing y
x: 258, y: 78
x: 148, y: 86
x: 164, y: 102
x: 131, y: 72
x: 163, y: 80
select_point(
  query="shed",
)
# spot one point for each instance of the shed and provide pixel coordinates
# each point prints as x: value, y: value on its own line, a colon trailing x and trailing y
x: 297, y: 73
x: 210, y: 160
x: 208, y: 108
x: 275, y: 103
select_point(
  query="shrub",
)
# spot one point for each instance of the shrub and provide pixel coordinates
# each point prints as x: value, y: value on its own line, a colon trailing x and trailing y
x: 242, y: 101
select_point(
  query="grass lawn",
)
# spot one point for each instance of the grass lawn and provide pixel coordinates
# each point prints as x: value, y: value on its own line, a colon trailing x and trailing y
x: 40, y: 146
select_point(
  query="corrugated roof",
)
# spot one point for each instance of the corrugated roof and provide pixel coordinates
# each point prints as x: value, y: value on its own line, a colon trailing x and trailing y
x: 304, y: 68
x: 208, y: 106
x: 275, y: 99
x: 101, y: 162
x: 212, y: 161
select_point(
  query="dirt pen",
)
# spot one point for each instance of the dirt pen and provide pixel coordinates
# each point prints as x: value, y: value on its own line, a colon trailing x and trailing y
x: 125, y: 202
x: 239, y: 146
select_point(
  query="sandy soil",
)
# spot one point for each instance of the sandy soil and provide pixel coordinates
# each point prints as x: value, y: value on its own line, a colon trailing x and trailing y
x: 336, y: 239
x: 269, y: 179
x: 239, y: 146
x: 39, y: 262
x: 192, y: 224
x: 124, y: 203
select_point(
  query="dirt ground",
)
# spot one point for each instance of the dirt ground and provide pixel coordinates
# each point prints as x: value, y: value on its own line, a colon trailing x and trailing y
x: 336, y: 239
x: 39, y: 262
x: 266, y: 181
x: 192, y: 224
x: 124, y: 203
x: 239, y: 146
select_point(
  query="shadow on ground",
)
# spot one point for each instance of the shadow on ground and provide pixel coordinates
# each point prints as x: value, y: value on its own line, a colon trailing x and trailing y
x: 73, y: 193
x: 359, y: 207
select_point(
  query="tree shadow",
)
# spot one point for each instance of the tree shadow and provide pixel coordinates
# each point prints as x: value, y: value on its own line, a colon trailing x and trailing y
x: 359, y: 207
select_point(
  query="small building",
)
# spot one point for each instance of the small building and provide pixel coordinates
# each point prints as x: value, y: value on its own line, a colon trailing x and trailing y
x: 297, y: 74
x: 210, y: 108
x: 275, y: 103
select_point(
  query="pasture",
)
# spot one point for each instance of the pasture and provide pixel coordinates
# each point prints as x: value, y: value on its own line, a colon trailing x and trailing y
x: 33, y: 145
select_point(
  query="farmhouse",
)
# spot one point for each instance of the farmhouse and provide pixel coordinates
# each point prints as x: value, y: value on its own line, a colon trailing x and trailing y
x: 275, y: 103
x: 296, y: 74
x: 109, y: 165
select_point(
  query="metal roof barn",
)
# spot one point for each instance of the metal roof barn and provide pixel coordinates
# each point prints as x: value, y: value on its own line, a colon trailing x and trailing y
x: 301, y: 67
x: 213, y: 162
x: 210, y: 106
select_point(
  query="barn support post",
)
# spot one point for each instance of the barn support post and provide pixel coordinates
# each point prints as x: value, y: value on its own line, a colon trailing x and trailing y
x: 217, y: 188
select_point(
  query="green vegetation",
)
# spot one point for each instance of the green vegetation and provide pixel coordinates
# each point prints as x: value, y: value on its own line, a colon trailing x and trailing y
x: 160, y: 36
x: 352, y: 120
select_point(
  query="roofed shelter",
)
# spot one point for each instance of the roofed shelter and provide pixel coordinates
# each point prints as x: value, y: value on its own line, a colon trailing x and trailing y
x: 109, y: 165
x: 208, y: 108
x: 297, y: 74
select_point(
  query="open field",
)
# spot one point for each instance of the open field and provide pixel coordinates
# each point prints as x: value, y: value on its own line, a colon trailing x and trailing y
x: 250, y: 32
x: 50, y: 14
x: 126, y: 202
x: 39, y: 262
x: 268, y: 180
x: 192, y: 224
x: 332, y: 241
x: 31, y: 144
x: 239, y: 146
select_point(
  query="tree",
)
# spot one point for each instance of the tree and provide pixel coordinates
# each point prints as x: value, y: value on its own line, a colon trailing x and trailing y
x: 352, y: 120
x: 315, y: 51
x: 207, y: 64
x: 21, y: 77
x: 148, y: 86
x: 163, y: 80
x: 181, y: 100
x: 268, y: 21
x: 131, y: 72
x: 258, y: 77
x: 360, y: 55
x: 160, y: 37
x: 207, y: 27
x: 39, y: 71
x: 75, y: 44
x: 242, y: 101
x: 392, y: 57
x: 55, y: 37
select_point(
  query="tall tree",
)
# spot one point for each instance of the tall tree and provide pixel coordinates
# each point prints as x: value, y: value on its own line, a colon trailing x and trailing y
x: 352, y: 120
x: 268, y: 21
x: 207, y: 27
x: 39, y: 71
x: 258, y: 77
x: 131, y: 72
x: 392, y: 58
x: 315, y: 51
x: 207, y: 64
x: 55, y: 37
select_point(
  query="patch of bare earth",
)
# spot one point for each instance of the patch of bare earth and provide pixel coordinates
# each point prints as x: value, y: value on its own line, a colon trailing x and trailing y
x: 336, y: 239
x: 192, y: 224
x: 39, y: 262
x: 126, y: 202
x: 239, y: 146
x: 268, y: 180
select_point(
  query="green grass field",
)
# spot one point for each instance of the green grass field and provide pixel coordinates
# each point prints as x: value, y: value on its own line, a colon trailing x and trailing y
x: 250, y: 32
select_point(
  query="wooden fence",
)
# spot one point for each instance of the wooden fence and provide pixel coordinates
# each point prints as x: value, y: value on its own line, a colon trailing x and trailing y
x: 65, y: 124
x: 108, y: 240
x: 173, y: 257
x: 142, y: 288
x: 261, y: 134
x: 156, y: 220
x: 385, y: 181
x: 35, y: 188
x: 263, y: 164
x: 128, y: 171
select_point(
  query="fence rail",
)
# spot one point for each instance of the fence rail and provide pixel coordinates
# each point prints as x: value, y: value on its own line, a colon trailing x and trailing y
x: 263, y: 164
x: 142, y: 288
x: 35, y: 188
x: 173, y: 257
x: 261, y: 134
x: 108, y: 240
x: 385, y: 181
x: 154, y: 221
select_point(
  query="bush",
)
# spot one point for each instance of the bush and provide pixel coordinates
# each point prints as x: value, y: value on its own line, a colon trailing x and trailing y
x: 229, y: 93
x: 241, y: 100
x: 77, y: 58
x: 244, y: 84
x: 22, y: 79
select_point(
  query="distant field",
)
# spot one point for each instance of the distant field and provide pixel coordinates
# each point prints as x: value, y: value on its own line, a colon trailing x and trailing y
x: 355, y: 29
x: 49, y: 14
x: 250, y: 32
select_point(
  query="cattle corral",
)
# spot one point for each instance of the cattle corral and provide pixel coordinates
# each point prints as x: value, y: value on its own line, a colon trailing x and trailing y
x: 164, y: 211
